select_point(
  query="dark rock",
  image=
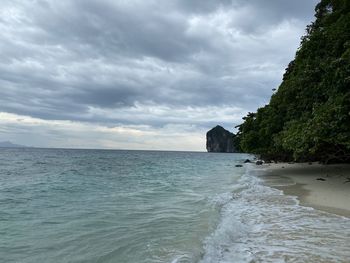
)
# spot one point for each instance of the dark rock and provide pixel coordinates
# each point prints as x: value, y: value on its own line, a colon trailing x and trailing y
x: 259, y: 162
x: 320, y: 179
x: 247, y: 161
x: 238, y: 165
x: 220, y: 140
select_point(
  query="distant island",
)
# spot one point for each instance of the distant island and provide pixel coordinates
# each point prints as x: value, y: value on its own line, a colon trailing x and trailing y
x: 220, y: 140
x: 8, y: 144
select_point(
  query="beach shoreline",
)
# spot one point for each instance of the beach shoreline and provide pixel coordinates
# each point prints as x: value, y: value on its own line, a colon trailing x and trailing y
x: 323, y: 187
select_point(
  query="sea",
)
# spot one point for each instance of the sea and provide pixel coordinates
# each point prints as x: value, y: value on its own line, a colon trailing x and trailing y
x: 59, y: 205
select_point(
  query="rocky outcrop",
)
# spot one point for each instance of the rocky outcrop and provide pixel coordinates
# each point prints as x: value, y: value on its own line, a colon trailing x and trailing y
x: 220, y: 140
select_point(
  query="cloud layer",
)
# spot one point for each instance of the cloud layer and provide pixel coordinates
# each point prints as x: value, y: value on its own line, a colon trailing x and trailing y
x: 170, y: 67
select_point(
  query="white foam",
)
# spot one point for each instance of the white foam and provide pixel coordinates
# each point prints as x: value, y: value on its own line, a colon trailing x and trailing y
x: 178, y: 258
x: 260, y: 224
x: 221, y: 199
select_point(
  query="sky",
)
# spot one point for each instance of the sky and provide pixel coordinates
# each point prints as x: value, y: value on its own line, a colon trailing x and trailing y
x: 137, y: 74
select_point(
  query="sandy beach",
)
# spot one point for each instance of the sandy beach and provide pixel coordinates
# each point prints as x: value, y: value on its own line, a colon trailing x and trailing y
x: 323, y: 187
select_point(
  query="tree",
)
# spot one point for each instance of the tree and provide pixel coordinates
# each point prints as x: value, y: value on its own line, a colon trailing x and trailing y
x: 308, y: 117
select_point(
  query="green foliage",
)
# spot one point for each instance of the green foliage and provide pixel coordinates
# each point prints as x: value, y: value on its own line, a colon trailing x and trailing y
x: 308, y: 118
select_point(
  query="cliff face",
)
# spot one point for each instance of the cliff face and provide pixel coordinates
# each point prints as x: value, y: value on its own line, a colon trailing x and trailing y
x: 220, y: 140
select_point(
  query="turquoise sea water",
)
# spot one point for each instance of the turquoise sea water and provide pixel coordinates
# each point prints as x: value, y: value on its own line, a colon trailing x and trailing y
x: 141, y: 206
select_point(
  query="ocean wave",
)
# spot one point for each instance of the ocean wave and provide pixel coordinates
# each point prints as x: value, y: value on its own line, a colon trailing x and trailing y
x: 260, y: 224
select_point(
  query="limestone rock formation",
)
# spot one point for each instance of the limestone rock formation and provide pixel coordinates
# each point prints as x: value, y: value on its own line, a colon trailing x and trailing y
x: 220, y: 140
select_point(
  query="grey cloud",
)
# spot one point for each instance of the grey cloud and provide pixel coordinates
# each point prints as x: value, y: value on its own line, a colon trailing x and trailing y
x: 299, y: 9
x: 59, y: 59
x: 199, y: 6
x: 101, y: 28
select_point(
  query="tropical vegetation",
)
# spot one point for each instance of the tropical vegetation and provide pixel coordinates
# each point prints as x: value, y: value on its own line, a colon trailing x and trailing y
x: 308, y: 117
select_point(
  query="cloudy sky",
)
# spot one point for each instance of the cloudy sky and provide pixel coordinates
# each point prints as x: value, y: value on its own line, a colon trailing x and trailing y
x: 140, y: 74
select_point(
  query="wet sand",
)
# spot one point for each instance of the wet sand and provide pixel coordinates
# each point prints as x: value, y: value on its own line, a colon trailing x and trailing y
x: 324, y: 187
